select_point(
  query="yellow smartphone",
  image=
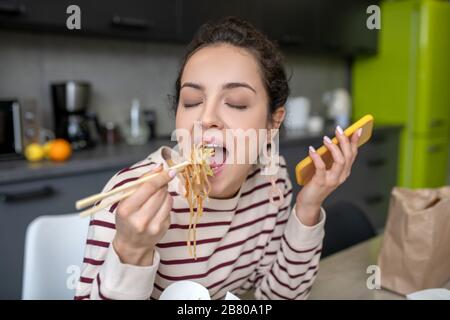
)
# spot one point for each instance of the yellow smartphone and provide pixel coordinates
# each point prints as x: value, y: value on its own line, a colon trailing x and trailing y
x: 305, y: 169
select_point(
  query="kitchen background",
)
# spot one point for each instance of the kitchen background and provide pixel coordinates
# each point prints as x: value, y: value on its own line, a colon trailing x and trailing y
x: 131, y: 50
x: 122, y: 70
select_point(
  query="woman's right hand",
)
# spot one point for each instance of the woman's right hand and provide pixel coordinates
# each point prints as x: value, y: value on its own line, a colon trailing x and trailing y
x: 142, y: 219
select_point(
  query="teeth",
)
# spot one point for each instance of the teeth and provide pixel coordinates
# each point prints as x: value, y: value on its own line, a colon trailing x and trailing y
x: 219, y: 156
x: 212, y: 145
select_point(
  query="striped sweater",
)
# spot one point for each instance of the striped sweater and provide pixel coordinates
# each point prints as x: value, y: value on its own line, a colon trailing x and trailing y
x: 243, y: 243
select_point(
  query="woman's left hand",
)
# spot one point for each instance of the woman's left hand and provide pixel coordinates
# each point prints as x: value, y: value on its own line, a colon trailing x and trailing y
x: 310, y: 198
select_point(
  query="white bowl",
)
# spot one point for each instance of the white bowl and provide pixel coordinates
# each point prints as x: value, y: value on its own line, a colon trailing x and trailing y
x: 185, y: 290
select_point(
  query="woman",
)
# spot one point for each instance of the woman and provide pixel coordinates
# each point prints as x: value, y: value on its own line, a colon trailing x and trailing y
x: 232, y: 77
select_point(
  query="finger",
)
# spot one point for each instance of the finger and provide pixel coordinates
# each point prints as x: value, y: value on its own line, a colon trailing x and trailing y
x: 149, y: 209
x: 163, y: 178
x: 146, y: 190
x: 137, y: 198
x: 354, y: 141
x: 346, y: 149
x: 338, y: 159
x: 344, y: 143
x: 320, y: 173
x: 162, y: 218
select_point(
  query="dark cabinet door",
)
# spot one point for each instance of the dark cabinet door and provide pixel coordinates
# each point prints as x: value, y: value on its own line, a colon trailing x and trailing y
x: 135, y: 19
x: 138, y: 19
x: 325, y: 26
x: 12, y: 8
x: 291, y: 23
x: 36, y: 15
x: 195, y: 13
x: 343, y: 27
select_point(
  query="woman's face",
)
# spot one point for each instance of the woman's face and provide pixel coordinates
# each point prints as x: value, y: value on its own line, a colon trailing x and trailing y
x: 221, y: 86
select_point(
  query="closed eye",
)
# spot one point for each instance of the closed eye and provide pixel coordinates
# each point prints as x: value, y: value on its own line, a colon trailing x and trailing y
x: 190, y: 105
x: 234, y: 106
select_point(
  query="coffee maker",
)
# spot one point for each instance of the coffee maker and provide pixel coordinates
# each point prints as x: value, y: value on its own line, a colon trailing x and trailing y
x: 73, y: 121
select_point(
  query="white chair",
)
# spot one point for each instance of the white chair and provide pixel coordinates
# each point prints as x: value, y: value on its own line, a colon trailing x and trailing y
x: 54, y: 249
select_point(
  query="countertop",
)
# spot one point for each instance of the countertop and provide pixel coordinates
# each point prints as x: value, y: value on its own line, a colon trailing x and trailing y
x: 118, y: 156
x: 343, y: 275
x: 102, y: 157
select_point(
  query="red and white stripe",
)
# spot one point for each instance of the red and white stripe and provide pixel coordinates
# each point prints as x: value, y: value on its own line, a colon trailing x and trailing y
x: 242, y: 243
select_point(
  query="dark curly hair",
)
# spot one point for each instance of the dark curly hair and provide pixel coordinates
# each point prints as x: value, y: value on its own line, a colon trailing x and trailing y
x: 242, y: 34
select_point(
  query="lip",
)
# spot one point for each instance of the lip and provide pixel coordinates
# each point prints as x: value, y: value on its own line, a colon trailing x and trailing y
x: 217, y: 169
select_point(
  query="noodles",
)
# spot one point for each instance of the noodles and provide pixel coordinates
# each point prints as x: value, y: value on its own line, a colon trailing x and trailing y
x: 197, y: 188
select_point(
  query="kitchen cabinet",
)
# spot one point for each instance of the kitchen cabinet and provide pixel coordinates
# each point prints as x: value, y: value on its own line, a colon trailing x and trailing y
x: 133, y: 19
x: 322, y: 26
x: 21, y: 203
x: 292, y: 23
x: 194, y: 13
x: 343, y: 27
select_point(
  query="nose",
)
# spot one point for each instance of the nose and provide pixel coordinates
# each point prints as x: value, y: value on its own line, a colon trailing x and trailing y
x: 210, y: 117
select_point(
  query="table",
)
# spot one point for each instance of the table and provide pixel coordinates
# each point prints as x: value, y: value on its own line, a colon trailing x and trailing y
x: 343, y: 275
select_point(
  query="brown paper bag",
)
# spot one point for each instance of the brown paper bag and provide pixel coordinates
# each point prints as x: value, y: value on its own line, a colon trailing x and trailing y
x: 415, y: 253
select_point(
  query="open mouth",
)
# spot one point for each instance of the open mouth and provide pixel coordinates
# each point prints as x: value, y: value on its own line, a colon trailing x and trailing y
x: 218, y: 160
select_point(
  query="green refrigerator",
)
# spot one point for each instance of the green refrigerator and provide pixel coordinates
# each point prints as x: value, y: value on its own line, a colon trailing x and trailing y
x: 408, y: 83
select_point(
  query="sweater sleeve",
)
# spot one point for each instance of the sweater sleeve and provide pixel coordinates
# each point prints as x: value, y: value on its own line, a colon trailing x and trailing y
x: 103, y: 275
x: 290, y: 261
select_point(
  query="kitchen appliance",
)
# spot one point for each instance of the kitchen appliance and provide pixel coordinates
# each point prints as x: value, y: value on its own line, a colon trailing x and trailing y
x: 73, y: 121
x: 19, y: 126
x: 136, y: 132
x: 338, y: 104
x: 407, y: 84
x: 297, y: 115
x: 111, y: 133
x: 150, y: 119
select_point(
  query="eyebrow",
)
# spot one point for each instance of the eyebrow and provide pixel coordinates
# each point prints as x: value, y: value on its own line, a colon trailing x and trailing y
x: 232, y: 85
x: 193, y: 85
x: 227, y: 86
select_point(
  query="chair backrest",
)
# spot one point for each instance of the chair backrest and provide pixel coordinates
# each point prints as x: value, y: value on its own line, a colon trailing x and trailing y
x: 54, y: 248
x: 346, y: 225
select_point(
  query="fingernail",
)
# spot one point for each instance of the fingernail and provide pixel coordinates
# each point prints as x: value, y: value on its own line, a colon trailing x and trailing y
x: 359, y: 132
x: 327, y: 140
x: 157, y: 166
x: 339, y: 129
x: 311, y: 148
x: 172, y: 173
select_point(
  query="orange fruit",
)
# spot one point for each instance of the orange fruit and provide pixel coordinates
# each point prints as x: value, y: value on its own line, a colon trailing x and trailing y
x: 59, y: 150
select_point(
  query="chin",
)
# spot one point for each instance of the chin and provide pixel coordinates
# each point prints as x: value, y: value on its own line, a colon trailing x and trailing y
x: 220, y: 184
x: 218, y: 188
x: 223, y: 185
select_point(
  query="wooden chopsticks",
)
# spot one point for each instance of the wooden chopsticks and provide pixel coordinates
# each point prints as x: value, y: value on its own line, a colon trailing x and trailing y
x: 85, y: 202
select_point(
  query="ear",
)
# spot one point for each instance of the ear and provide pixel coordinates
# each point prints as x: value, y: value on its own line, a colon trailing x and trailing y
x: 277, y: 117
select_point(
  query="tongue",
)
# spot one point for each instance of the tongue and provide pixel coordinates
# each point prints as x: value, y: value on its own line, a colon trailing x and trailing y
x: 219, y: 157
